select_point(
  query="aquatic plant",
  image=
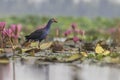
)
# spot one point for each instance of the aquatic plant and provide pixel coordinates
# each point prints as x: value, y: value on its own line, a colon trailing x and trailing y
x: 77, y: 34
x: 7, y: 33
x: 2, y: 26
x: 16, y: 29
x: 9, y: 36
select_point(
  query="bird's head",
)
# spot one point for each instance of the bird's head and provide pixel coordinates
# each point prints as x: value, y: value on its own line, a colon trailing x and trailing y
x: 53, y: 20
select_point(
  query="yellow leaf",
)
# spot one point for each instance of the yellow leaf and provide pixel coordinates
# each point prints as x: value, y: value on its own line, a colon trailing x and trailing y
x: 4, y: 61
x: 25, y: 49
x: 46, y: 45
x: 106, y: 52
x: 34, y: 44
x: 73, y: 57
x: 1, y: 50
x: 31, y: 51
x: 115, y: 60
x: 100, y: 50
x: 84, y: 54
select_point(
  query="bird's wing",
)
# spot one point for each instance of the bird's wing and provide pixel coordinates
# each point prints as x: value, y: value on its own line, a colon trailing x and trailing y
x: 36, y: 34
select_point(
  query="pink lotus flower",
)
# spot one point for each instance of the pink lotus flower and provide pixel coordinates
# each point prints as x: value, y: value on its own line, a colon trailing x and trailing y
x: 75, y: 39
x: 81, y: 32
x: 2, y: 25
x: 74, y: 25
x: 66, y: 33
x: 16, y: 30
x: 111, y: 30
x: 7, y: 32
x: 75, y: 31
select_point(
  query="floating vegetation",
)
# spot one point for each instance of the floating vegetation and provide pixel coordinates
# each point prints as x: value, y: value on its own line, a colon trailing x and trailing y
x: 79, y: 45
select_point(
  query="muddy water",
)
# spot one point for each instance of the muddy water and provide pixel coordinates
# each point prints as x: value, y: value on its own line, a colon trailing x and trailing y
x: 58, y: 72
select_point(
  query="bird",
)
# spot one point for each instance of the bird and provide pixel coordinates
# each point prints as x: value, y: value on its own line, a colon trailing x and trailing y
x: 39, y: 34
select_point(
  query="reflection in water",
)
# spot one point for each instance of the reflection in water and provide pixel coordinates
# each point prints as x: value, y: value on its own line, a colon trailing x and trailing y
x: 58, y: 72
x: 113, y: 74
x: 5, y: 72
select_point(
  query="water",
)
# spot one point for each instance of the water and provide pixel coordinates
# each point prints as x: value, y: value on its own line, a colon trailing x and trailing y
x: 58, y: 71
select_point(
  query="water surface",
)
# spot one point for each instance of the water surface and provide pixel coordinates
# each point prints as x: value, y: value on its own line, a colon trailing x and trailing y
x: 58, y: 71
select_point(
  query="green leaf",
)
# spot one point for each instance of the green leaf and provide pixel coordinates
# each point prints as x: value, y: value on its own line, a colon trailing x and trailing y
x: 73, y: 57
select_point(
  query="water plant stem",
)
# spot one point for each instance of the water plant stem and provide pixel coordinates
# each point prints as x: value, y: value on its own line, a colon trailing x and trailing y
x: 14, y: 78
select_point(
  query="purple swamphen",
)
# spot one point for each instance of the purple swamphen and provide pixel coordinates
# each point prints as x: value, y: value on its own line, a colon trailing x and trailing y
x: 40, y: 34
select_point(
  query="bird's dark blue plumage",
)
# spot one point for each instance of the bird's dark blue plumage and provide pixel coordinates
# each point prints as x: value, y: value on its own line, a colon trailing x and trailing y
x: 40, y: 34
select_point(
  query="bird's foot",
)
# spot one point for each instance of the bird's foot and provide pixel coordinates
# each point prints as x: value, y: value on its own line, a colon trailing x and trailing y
x: 38, y: 46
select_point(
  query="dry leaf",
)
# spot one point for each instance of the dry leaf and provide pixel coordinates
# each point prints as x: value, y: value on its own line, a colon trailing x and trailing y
x: 46, y: 45
x: 84, y: 54
x: 100, y: 50
x: 19, y: 50
x: 33, y: 50
x: 4, y: 61
x: 57, y: 46
x: 25, y: 49
x: 106, y: 52
x: 34, y: 44
x: 73, y: 57
x: 1, y: 50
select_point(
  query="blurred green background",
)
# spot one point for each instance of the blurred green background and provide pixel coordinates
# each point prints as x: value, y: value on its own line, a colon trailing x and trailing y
x: 93, y: 26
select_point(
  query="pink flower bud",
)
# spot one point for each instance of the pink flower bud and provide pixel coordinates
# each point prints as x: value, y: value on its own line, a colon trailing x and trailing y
x: 111, y: 30
x: 81, y: 32
x: 19, y: 27
x: 66, y: 33
x: 7, y: 32
x: 2, y: 25
x: 74, y: 25
x: 75, y: 39
x: 16, y: 30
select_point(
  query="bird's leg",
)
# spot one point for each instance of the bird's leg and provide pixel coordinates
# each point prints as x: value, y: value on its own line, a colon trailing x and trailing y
x: 39, y: 45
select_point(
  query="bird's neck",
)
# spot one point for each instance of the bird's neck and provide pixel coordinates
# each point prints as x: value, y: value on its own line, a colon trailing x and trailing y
x: 48, y: 25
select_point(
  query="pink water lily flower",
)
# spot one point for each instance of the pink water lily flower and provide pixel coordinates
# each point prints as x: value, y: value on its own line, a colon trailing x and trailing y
x: 81, y: 32
x: 75, y: 39
x: 74, y: 26
x: 75, y: 31
x: 66, y: 33
x: 111, y: 30
x: 7, y: 32
x: 16, y: 30
x: 2, y: 25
